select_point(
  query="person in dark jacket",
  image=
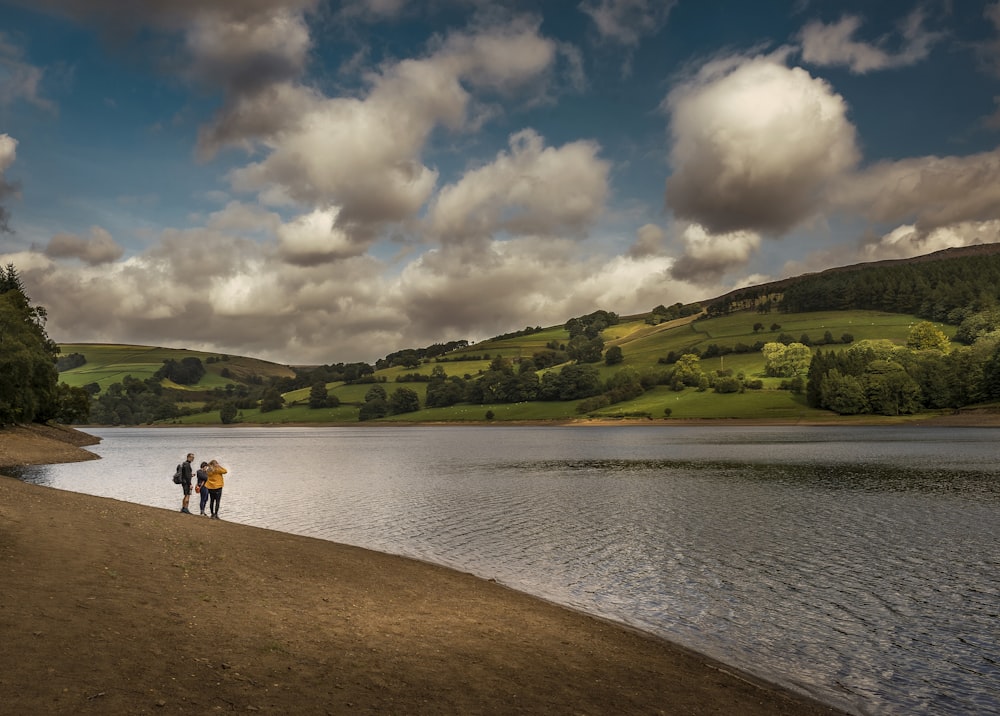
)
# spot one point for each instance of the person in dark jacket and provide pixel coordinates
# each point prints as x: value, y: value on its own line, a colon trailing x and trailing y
x: 200, y: 487
x: 186, y: 473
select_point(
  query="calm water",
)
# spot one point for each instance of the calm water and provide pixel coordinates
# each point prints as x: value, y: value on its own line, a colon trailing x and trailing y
x: 858, y: 565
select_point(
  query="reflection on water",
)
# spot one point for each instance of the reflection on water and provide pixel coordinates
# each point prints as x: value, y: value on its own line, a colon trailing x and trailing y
x: 855, y: 564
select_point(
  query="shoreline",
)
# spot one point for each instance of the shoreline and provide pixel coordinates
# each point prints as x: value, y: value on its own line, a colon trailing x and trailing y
x: 959, y: 419
x: 114, y: 608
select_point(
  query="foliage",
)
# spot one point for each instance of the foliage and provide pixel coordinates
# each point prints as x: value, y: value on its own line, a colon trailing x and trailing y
x: 926, y: 336
x: 271, y: 400
x: 187, y: 371
x: 132, y: 402
x: 28, y: 377
x: 591, y: 325
x: 403, y: 400
x: 228, y: 413
x: 68, y: 362
x: 786, y: 361
x: 319, y: 397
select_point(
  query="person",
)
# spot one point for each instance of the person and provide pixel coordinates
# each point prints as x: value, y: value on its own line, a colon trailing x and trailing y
x: 200, y: 486
x: 214, y: 485
x: 186, y: 472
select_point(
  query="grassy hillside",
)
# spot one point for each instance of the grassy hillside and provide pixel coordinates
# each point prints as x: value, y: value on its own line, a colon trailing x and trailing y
x: 108, y: 363
x: 642, y: 345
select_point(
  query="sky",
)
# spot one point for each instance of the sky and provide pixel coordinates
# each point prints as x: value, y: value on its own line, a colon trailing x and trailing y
x: 320, y: 182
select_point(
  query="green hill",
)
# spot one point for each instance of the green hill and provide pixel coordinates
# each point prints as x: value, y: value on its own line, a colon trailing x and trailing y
x: 643, y: 346
x: 110, y: 363
x: 957, y: 291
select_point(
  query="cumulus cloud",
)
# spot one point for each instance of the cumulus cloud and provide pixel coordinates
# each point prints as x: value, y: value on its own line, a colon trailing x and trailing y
x: 754, y: 145
x: 246, y: 218
x: 256, y: 62
x: 98, y: 248
x: 707, y: 257
x: 214, y: 290
x: 834, y: 44
x: 648, y: 242
x: 363, y: 154
x: 908, y: 240
x: 930, y: 191
x: 627, y: 21
x: 314, y: 238
x: 162, y: 14
x: 467, y: 291
x: 531, y: 189
x: 8, y: 153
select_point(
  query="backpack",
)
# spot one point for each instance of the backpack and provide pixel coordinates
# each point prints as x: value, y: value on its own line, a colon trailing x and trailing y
x: 177, y: 474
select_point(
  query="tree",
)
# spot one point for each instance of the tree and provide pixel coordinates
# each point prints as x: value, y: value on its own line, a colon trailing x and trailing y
x: 786, y: 361
x: 890, y: 390
x: 28, y: 377
x: 228, y: 413
x: 613, y: 356
x: 843, y: 394
x: 687, y: 371
x: 926, y: 336
x: 74, y: 404
x: 318, y: 396
x: 583, y: 349
x: 404, y: 400
x: 373, y: 409
x: 271, y: 401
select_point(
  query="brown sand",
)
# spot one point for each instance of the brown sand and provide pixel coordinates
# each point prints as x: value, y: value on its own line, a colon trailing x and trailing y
x: 112, y: 608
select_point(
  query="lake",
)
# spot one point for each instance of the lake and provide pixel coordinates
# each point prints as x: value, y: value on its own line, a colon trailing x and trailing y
x: 859, y: 565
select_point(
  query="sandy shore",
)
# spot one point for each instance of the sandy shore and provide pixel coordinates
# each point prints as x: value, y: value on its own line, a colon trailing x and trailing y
x: 112, y: 608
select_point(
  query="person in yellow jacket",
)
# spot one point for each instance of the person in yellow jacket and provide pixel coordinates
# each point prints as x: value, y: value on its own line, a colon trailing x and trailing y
x: 214, y: 484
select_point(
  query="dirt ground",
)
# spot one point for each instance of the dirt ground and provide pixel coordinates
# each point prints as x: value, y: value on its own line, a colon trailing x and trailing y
x: 113, y: 608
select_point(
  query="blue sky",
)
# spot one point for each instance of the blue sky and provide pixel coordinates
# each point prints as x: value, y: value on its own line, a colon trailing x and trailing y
x: 315, y: 182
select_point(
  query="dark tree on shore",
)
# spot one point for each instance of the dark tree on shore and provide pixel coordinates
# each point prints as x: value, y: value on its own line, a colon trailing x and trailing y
x: 28, y: 377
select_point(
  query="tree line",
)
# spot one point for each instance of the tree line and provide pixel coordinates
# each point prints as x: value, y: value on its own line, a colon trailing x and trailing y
x: 30, y: 390
x: 948, y: 291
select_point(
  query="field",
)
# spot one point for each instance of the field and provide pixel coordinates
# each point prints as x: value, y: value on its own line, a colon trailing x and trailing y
x: 643, y: 346
x: 108, y: 364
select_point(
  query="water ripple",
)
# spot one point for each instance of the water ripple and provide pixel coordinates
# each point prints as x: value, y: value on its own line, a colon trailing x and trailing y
x: 856, y: 565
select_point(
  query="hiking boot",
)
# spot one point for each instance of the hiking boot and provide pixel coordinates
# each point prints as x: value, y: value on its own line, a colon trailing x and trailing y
x: 186, y: 511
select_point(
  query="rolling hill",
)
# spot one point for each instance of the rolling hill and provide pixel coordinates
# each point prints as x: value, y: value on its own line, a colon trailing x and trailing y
x: 844, y: 305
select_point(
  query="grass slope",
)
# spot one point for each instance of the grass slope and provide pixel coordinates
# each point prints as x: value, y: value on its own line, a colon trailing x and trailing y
x: 109, y: 363
x: 642, y: 345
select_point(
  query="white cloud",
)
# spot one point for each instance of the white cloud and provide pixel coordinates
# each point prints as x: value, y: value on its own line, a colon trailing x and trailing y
x: 247, y: 218
x: 8, y: 153
x: 471, y: 291
x: 19, y: 80
x: 314, y: 238
x: 834, y: 44
x: 754, y: 145
x: 648, y: 242
x: 99, y: 248
x: 930, y: 191
x: 210, y: 290
x: 707, y: 257
x: 907, y: 240
x: 363, y: 154
x: 531, y: 189
x: 627, y: 21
